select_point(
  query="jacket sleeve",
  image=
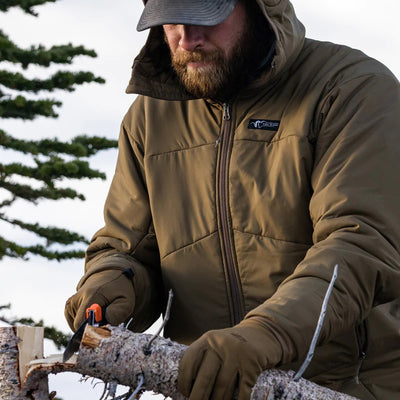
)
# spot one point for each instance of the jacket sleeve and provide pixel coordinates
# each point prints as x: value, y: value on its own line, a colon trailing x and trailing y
x: 355, y: 213
x: 128, y: 240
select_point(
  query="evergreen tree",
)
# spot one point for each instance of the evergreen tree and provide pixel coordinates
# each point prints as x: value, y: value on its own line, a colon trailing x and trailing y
x: 60, y: 339
x: 50, y: 160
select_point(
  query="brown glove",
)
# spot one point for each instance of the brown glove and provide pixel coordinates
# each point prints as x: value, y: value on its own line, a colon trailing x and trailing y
x: 112, y: 289
x: 222, y: 360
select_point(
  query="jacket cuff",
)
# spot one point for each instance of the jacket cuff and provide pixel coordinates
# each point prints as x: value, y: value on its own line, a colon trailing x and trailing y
x: 146, y: 309
x: 268, y: 337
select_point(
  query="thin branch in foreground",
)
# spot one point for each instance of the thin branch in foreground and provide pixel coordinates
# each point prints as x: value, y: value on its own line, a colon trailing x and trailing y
x: 166, y: 318
x: 321, y: 318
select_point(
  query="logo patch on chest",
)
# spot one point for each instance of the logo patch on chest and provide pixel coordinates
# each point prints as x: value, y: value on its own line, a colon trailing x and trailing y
x: 264, y: 124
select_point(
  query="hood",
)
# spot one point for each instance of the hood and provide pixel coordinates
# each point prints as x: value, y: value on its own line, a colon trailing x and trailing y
x: 153, y: 74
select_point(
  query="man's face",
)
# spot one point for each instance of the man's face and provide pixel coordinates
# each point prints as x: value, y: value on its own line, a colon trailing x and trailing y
x: 208, y: 58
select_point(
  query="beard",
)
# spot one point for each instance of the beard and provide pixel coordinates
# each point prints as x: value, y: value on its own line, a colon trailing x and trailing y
x: 219, y: 77
x: 222, y: 76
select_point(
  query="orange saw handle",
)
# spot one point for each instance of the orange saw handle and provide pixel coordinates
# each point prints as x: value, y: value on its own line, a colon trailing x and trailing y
x: 94, y: 315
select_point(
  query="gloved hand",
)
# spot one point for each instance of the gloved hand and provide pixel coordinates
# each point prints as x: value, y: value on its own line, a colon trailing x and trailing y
x: 112, y: 289
x: 222, y: 360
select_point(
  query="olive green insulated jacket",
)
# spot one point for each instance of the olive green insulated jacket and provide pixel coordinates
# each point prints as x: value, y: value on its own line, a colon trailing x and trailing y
x: 244, y: 208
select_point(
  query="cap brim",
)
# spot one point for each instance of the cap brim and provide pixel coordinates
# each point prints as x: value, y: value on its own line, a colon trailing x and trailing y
x: 185, y: 12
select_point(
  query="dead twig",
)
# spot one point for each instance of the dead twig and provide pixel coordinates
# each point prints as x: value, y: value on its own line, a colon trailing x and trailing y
x: 321, y: 318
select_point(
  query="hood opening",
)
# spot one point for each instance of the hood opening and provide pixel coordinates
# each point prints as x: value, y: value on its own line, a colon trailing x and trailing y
x: 154, y: 76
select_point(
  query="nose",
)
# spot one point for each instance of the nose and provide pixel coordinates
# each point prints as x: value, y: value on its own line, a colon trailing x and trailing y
x: 192, y: 37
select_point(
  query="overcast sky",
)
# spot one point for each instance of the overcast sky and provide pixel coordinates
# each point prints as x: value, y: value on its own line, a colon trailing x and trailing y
x: 39, y: 288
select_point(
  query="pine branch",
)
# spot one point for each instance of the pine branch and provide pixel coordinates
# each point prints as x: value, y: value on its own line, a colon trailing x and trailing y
x: 63, y: 80
x: 22, y: 108
x: 25, y: 5
x: 57, y: 168
x: 93, y: 144
x: 14, y: 250
x: 54, y: 169
x: 39, y: 55
x: 50, y: 233
x: 7, y: 202
x: 33, y: 195
x: 60, y: 339
x: 80, y: 146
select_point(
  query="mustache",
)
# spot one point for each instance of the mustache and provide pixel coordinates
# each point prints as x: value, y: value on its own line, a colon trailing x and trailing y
x: 182, y: 57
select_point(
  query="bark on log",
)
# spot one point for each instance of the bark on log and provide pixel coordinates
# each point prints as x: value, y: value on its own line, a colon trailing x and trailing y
x: 18, y: 346
x: 114, y: 354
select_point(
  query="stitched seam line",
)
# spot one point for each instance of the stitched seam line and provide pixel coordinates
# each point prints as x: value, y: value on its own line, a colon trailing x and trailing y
x: 360, y: 77
x: 271, y: 238
x: 187, y: 245
x: 138, y: 243
x: 179, y: 150
x: 130, y: 135
x: 269, y: 141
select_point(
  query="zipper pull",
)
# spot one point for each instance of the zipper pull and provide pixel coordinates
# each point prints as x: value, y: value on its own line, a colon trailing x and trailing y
x: 227, y: 112
x: 362, y: 334
x: 360, y: 363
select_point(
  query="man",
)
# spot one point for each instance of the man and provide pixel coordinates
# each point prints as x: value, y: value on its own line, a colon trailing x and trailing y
x: 252, y: 162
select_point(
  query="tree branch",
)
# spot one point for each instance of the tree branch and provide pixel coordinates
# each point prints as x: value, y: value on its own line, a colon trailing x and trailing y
x: 114, y: 354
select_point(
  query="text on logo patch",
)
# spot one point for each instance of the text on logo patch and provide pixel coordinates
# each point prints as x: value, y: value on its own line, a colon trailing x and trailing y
x: 264, y: 124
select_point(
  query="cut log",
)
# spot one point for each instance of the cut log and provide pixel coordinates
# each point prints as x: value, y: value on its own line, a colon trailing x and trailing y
x: 30, y: 347
x: 114, y: 354
x: 18, y: 346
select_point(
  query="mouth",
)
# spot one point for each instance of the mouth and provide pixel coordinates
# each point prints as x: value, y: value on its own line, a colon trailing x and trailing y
x: 198, y: 64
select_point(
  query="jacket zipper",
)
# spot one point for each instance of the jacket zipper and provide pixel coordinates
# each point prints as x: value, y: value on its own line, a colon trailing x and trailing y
x: 362, y: 333
x: 227, y: 248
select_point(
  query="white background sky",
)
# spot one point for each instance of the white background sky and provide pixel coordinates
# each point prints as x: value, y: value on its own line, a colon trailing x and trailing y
x: 39, y: 288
